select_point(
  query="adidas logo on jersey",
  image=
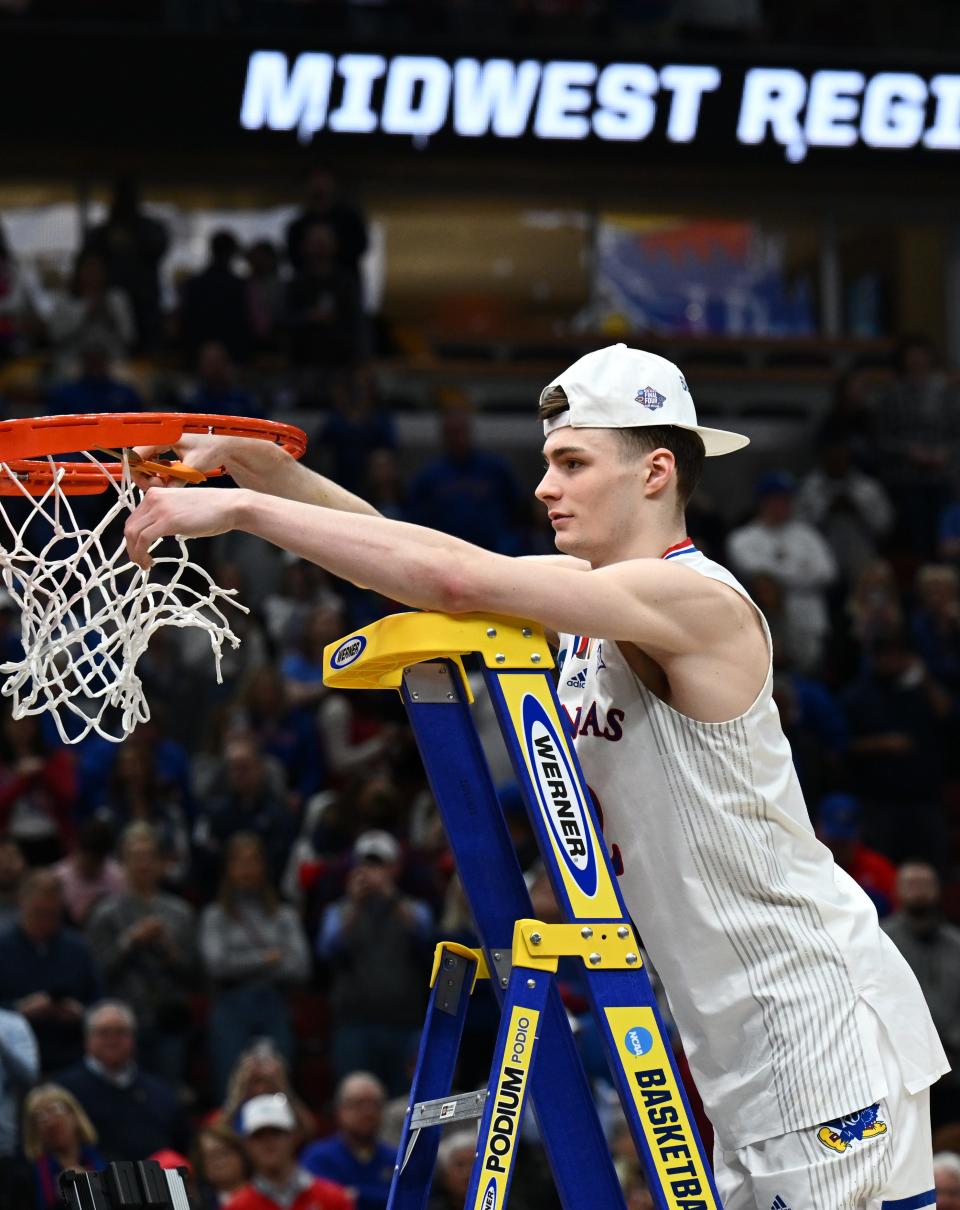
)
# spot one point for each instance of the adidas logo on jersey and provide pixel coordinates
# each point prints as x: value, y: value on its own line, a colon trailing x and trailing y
x: 779, y: 1204
x: 579, y: 680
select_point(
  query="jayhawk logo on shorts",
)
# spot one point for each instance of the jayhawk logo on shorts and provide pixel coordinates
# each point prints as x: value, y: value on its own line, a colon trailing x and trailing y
x: 853, y: 1128
x: 650, y: 398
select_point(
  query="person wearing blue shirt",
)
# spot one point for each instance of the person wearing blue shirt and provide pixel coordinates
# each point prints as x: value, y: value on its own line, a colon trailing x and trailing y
x: 467, y: 492
x: 47, y: 972
x: 218, y: 389
x: 94, y: 389
x: 19, y: 1069
x: 355, y: 1157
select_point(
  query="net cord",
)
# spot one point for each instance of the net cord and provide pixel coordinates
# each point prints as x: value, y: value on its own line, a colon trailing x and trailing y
x: 88, y: 613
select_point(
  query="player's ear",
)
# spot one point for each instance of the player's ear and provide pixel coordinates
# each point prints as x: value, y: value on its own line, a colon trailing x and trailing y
x: 659, y: 466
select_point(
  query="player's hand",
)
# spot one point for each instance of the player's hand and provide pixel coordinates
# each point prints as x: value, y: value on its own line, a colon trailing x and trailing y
x: 202, y: 451
x: 194, y: 514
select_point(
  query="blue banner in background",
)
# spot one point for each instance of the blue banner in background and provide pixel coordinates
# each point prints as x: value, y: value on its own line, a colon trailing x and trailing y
x: 698, y: 277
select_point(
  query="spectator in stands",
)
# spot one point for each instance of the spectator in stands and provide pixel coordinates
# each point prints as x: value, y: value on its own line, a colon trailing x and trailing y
x: 220, y: 1165
x: 874, y: 606
x: 838, y: 822
x: 815, y: 726
x: 323, y: 314
x: 134, y: 1113
x: 851, y: 420
x: 245, y: 799
x: 255, y: 951
x: 932, y: 947
x: 365, y: 799
x: 946, y: 1180
x: 467, y: 492
x: 948, y: 534
x: 133, y: 245
x: 851, y: 510
x: 286, y: 732
x: 57, y: 1136
x: 265, y: 296
x: 322, y: 204
x: 278, y: 1181
x: 357, y: 426
x: 214, y: 304
x: 355, y: 1156
x: 47, y: 971
x: 145, y: 943
x: 261, y: 1069
x: 303, y: 586
x: 917, y: 428
x: 895, y: 712
x: 89, y: 873
x: 18, y: 308
x: 795, y: 554
x: 218, y: 386
x: 12, y: 870
x: 90, y: 312
x: 95, y: 389
x: 936, y: 622
x: 454, y: 1167
x: 810, y: 713
x: 303, y: 669
x: 637, y: 1191
x: 376, y: 941
x: 144, y: 788
x: 11, y: 640
x: 38, y: 790
x: 200, y: 697
x: 383, y: 486
x: 19, y: 1070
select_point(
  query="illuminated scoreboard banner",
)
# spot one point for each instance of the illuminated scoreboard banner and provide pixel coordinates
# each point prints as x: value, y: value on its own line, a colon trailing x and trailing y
x: 717, y: 108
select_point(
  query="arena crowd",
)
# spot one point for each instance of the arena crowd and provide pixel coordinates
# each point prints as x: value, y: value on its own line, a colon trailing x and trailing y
x: 216, y: 936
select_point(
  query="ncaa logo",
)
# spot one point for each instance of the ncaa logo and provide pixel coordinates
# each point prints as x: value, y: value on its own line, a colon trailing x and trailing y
x: 349, y: 650
x: 558, y: 793
x: 639, y: 1041
x: 490, y: 1195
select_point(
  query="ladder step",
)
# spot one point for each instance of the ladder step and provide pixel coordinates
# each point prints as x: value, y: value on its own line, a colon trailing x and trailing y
x: 458, y: 1107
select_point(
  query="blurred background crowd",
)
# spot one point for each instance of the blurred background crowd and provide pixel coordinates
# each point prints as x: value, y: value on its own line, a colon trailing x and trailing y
x: 215, y: 937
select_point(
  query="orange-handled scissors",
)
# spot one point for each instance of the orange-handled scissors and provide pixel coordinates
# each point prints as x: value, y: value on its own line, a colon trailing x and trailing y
x: 173, y: 470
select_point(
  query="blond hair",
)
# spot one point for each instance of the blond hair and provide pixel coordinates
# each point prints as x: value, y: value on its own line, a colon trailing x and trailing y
x: 51, y: 1094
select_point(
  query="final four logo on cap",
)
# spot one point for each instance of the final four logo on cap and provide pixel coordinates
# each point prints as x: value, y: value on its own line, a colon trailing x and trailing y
x: 651, y: 398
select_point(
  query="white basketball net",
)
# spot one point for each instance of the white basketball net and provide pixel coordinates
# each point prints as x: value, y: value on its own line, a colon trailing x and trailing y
x: 88, y: 612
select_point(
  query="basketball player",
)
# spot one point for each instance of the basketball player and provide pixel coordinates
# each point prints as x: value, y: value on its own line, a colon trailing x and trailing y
x: 805, y: 1029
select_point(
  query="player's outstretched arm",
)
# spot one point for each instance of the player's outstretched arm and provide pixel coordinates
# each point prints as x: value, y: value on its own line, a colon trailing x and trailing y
x: 260, y: 466
x: 647, y: 601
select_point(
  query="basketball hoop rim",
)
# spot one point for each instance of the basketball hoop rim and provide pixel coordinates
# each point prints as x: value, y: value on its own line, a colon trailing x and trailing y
x: 45, y: 436
x: 22, y: 476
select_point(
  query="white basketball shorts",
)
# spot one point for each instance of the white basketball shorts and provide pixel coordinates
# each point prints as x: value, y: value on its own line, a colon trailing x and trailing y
x: 880, y: 1158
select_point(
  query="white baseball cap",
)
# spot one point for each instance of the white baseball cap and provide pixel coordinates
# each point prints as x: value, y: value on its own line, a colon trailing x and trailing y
x: 271, y: 1110
x: 619, y: 388
x: 377, y: 844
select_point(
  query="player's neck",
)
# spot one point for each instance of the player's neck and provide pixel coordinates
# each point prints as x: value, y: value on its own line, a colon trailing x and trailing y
x: 649, y: 541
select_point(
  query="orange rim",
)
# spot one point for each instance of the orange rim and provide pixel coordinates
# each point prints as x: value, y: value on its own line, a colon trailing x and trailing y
x: 35, y: 436
x: 35, y: 478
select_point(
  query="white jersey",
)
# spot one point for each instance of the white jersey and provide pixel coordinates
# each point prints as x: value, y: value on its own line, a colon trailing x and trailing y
x: 770, y: 954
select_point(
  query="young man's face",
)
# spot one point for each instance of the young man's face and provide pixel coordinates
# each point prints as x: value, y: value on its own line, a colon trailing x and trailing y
x: 271, y: 1151
x: 591, y: 491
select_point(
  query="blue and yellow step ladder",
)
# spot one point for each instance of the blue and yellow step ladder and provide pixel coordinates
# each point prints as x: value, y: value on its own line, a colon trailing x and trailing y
x: 420, y: 654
